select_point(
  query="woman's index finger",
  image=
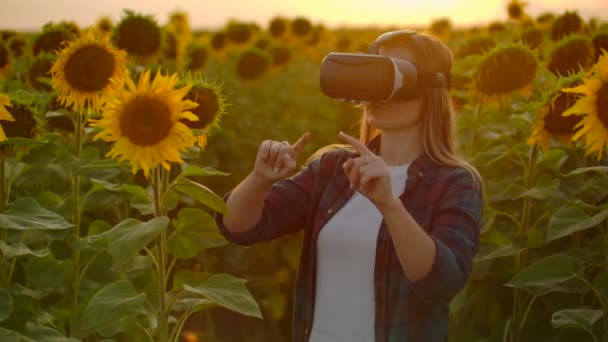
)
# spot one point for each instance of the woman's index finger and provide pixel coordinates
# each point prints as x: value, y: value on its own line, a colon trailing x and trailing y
x: 359, y: 146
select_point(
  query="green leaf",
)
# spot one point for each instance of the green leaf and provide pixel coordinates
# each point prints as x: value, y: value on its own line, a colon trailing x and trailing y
x: 13, y: 336
x: 546, y: 187
x: 195, y: 230
x: 105, y: 164
x: 46, y: 272
x: 547, y: 271
x: 569, y: 220
x: 130, y: 236
x: 19, y: 141
x: 19, y: 290
x: 189, y: 170
x: 112, y: 302
x: 228, y: 292
x: 195, y: 279
x: 576, y: 318
x: 554, y: 159
x: 6, y: 304
x: 487, y: 252
x: 45, y: 334
x: 192, y: 305
x: 603, y: 170
x: 489, y: 157
x: 600, y: 282
x: 20, y: 249
x: 139, y: 197
x: 25, y: 214
x: 201, y: 193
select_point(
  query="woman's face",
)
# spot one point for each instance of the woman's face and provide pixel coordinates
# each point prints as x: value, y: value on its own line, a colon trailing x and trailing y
x: 395, y: 115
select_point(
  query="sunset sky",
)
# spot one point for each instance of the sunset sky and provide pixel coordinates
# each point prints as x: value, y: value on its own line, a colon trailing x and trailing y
x: 32, y: 14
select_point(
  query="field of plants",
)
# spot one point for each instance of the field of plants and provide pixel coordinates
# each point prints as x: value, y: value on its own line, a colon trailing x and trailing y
x: 118, y: 142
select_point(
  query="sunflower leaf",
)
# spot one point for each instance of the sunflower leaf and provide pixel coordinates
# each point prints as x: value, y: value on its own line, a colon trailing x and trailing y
x: 201, y: 194
x: 229, y: 292
x: 130, y: 236
x: 26, y: 214
x: 195, y: 230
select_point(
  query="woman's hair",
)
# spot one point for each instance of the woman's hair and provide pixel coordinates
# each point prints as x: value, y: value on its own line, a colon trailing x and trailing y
x: 431, y: 55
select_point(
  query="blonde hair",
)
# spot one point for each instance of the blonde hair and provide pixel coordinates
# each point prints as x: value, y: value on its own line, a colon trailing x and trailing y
x: 431, y: 55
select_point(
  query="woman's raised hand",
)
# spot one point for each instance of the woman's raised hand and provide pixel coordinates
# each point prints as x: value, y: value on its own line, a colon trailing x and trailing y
x: 276, y: 160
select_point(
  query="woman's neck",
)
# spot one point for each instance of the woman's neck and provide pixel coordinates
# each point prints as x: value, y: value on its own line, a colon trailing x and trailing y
x: 401, y: 147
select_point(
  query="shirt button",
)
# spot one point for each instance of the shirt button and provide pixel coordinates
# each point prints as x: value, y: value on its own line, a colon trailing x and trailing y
x: 420, y: 174
x: 329, y: 211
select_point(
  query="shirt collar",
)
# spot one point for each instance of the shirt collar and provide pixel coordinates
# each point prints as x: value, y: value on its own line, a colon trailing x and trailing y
x: 420, y: 168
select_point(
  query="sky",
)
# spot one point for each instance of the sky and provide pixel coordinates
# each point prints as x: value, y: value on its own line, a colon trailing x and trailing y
x: 209, y: 14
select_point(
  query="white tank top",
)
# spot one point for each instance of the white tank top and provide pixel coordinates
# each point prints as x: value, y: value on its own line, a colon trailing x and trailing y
x: 346, y: 256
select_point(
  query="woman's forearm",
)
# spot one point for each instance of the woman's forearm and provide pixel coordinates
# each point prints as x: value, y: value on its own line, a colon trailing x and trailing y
x: 415, y: 248
x: 245, y: 204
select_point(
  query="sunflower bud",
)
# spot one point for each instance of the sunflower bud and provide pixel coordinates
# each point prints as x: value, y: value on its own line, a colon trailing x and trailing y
x: 51, y: 38
x: 197, y: 56
x: 565, y: 25
x: 281, y: 54
x: 139, y: 35
x: 600, y: 41
x: 238, y: 32
x: 252, y: 63
x: 277, y: 27
x: 570, y: 55
x: 505, y: 69
x: 40, y: 69
x: 515, y: 9
x: 476, y: 45
x: 532, y: 37
x: 301, y: 27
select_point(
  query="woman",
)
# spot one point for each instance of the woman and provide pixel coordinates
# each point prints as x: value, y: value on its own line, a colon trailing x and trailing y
x: 391, y: 220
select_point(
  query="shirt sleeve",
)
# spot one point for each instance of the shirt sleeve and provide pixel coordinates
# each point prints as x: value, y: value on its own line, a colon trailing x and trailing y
x: 455, y: 231
x: 285, y: 209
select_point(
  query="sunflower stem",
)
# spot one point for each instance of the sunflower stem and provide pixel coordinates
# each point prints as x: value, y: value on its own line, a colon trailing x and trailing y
x: 521, y: 257
x: 76, y: 178
x: 161, y: 257
x: 3, y: 232
x: 474, y: 138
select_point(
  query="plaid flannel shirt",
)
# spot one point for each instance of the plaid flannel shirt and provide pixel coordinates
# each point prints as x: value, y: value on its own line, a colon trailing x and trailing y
x: 445, y: 201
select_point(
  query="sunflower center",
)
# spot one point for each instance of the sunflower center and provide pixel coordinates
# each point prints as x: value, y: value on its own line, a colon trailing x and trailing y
x: 145, y: 121
x: 89, y: 69
x: 207, y: 108
x: 602, y: 104
x: 557, y: 124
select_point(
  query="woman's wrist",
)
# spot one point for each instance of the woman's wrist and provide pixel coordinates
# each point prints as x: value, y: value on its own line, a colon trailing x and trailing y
x: 392, y: 203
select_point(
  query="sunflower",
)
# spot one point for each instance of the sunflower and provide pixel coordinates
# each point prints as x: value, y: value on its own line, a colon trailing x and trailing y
x: 140, y: 35
x: 515, y: 9
x: 4, y: 114
x: 506, y: 68
x: 51, y: 38
x: 196, y: 57
x: 301, y: 27
x: 593, y: 105
x: 253, y: 63
x: 5, y: 60
x: 83, y: 70
x: 277, y: 27
x: 143, y: 121
x: 550, y: 122
x: 38, y: 72
x: 211, y: 107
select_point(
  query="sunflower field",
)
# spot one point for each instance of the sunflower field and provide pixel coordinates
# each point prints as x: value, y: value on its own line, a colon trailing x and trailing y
x: 118, y: 142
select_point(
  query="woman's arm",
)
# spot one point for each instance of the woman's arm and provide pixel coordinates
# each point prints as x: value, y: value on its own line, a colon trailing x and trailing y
x: 274, y: 161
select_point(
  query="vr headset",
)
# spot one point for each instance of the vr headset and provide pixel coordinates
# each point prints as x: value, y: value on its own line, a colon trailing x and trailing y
x: 371, y: 77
